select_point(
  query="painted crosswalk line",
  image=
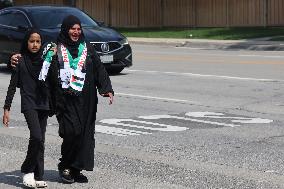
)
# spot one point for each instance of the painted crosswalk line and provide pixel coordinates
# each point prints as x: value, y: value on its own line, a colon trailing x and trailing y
x: 143, y: 125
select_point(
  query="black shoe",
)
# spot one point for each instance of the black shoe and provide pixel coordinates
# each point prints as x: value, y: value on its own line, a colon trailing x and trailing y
x: 80, y: 178
x: 66, y: 176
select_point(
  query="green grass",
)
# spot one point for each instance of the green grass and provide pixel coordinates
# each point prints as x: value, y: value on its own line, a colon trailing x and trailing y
x: 280, y: 38
x: 205, y: 33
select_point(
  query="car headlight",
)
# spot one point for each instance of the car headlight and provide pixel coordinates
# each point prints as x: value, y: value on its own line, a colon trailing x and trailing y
x: 123, y: 41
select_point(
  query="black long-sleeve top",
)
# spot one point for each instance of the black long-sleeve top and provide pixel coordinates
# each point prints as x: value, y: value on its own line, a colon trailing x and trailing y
x: 31, y: 97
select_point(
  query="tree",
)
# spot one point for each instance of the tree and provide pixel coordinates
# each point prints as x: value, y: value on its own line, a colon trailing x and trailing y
x: 6, y: 3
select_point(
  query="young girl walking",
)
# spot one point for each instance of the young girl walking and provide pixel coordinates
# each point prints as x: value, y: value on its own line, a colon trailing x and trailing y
x: 35, y: 95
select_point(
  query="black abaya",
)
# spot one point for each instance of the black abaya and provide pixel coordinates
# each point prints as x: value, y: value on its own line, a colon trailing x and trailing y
x: 77, y: 115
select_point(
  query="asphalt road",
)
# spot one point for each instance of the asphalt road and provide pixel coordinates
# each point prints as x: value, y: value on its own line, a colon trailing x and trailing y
x: 182, y: 118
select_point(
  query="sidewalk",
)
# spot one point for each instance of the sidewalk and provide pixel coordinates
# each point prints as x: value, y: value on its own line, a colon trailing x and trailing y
x: 262, y: 44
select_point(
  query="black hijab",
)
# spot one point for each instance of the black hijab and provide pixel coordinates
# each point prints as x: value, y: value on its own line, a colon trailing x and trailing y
x: 64, y: 38
x: 34, y: 57
x: 33, y: 61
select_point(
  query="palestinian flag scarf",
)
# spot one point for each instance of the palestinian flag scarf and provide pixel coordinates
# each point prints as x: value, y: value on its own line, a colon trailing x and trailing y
x: 72, y: 71
x: 47, y: 58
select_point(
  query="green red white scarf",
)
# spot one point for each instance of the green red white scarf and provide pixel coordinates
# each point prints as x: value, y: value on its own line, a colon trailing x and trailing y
x: 71, y: 75
x: 47, y: 55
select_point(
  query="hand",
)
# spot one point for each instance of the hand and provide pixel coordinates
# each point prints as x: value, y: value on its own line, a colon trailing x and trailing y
x: 54, y: 49
x: 15, y: 60
x: 6, y: 118
x: 110, y: 95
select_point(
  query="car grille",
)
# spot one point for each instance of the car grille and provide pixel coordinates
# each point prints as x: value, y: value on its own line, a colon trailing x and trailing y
x: 113, y: 46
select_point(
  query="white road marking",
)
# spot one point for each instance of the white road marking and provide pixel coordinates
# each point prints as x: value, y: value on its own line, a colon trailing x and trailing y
x: 233, y: 119
x: 156, y: 98
x: 206, y: 75
x: 193, y: 48
x: 118, y: 131
x: 263, y: 56
x: 188, y: 119
x: 208, y: 54
x: 130, y: 124
x: 253, y: 120
x: 203, y: 114
x: 152, y: 126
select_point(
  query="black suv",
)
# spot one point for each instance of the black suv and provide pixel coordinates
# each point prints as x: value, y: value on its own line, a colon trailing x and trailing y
x: 5, y: 3
x: 111, y: 46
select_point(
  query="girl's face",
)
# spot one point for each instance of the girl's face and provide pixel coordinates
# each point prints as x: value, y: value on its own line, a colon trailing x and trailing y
x: 75, y: 32
x: 34, y: 43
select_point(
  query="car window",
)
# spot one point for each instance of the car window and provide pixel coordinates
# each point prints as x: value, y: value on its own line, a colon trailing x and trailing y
x: 55, y: 18
x: 6, y: 18
x: 19, y: 20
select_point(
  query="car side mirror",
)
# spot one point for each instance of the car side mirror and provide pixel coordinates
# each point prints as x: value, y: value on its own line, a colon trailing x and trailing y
x: 22, y: 28
x: 101, y: 23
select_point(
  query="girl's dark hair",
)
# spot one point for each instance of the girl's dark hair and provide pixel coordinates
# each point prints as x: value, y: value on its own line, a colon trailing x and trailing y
x: 24, y: 47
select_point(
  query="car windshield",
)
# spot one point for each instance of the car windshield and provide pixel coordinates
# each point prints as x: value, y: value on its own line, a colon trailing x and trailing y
x: 47, y: 19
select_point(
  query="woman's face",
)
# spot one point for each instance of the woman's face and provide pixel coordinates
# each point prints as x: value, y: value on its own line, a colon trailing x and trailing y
x: 34, y: 43
x: 75, y: 32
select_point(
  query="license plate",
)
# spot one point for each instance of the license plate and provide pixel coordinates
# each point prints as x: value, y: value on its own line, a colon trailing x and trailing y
x: 106, y: 58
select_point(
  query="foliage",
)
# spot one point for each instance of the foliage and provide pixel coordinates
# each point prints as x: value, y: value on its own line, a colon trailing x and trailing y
x: 204, y: 33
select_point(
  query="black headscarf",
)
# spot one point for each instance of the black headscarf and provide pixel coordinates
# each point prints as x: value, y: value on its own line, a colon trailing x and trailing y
x: 34, y: 57
x: 64, y: 38
x: 33, y: 62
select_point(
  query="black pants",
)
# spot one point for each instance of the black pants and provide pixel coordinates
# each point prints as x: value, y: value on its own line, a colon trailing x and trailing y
x: 34, y: 162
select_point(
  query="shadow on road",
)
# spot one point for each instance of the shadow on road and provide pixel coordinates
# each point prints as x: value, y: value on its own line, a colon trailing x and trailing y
x: 115, y: 74
x: 14, y: 178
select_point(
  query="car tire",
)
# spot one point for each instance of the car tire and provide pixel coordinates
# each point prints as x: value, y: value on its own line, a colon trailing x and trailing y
x: 9, y: 67
x: 115, y: 70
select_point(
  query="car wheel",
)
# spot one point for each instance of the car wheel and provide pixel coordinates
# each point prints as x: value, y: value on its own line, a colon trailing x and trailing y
x: 9, y: 67
x: 115, y: 70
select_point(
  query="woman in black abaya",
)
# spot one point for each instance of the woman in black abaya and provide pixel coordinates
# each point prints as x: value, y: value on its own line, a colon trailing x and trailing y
x: 80, y: 75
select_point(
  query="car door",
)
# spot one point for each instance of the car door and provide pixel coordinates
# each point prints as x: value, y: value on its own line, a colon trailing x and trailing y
x: 5, y: 19
x: 13, y: 27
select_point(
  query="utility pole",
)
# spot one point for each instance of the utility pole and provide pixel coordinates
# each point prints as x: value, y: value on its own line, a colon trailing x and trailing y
x: 73, y: 3
x: 109, y: 13
x: 138, y: 14
x: 162, y: 5
x: 195, y: 13
x: 227, y: 14
x: 70, y: 3
x: 265, y: 13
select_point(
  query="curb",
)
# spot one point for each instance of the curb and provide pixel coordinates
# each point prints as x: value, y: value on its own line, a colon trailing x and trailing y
x: 255, y: 45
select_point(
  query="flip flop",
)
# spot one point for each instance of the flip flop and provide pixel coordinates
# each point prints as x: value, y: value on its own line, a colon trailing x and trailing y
x: 41, y: 184
x: 29, y: 181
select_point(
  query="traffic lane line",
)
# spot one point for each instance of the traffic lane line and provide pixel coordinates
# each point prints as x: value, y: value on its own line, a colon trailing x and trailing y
x: 208, y: 59
x: 169, y: 53
x: 208, y: 76
x: 157, y: 98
